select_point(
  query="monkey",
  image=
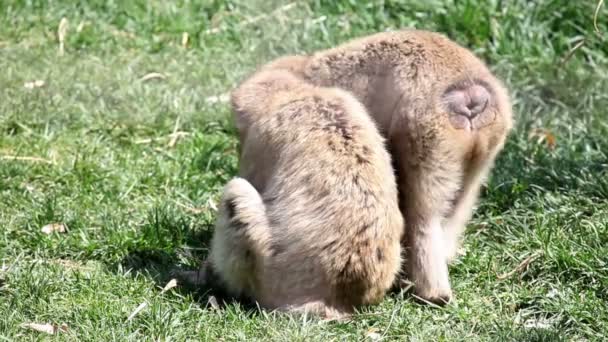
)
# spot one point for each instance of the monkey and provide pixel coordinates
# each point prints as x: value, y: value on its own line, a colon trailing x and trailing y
x: 312, y: 222
x: 445, y: 117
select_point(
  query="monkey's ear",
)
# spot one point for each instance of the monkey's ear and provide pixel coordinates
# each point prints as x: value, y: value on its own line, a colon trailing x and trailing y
x: 241, y: 121
x: 239, y: 101
x: 254, y: 96
x: 295, y: 64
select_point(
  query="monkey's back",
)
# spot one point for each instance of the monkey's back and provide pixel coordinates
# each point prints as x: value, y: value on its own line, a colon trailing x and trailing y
x: 331, y: 200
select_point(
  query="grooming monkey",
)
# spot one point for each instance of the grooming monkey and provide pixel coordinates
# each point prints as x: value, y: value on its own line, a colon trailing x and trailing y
x: 445, y: 117
x: 314, y: 224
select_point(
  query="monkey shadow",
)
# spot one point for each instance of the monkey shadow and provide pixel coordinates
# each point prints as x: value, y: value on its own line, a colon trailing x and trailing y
x: 162, y: 265
x: 521, y: 173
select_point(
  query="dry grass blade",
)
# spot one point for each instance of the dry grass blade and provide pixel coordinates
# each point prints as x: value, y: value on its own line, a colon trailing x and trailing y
x: 185, y: 39
x: 390, y: 322
x: 570, y: 53
x: 46, y: 328
x: 171, y: 284
x: 212, y: 302
x: 152, y: 76
x: 192, y: 210
x: 143, y: 141
x: 179, y: 134
x: 25, y: 158
x: 34, y: 84
x: 71, y: 265
x: 596, y: 14
x: 174, y: 135
x: 544, y: 135
x: 429, y: 303
x: 372, y: 334
x: 62, y: 30
x: 137, y: 310
x: 522, y: 265
x: 405, y: 285
x: 81, y: 26
x: 3, y: 269
x: 54, y: 228
x: 211, y: 204
x: 223, y: 98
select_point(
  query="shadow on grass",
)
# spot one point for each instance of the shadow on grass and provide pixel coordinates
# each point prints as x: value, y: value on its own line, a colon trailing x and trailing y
x: 169, y: 246
x: 521, y: 171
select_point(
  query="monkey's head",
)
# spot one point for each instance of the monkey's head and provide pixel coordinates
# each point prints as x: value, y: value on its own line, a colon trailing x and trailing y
x: 257, y: 92
x: 256, y: 96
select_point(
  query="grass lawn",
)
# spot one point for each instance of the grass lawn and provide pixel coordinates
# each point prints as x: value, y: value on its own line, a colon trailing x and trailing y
x: 123, y: 138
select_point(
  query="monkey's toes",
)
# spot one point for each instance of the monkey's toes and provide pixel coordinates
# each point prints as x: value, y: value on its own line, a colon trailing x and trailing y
x: 437, y: 297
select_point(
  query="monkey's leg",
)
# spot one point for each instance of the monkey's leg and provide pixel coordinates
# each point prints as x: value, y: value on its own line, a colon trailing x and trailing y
x: 427, y: 183
x: 426, y: 256
x: 465, y: 103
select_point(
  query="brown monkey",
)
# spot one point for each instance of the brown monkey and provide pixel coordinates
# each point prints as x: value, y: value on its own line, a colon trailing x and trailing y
x: 445, y: 117
x: 316, y: 226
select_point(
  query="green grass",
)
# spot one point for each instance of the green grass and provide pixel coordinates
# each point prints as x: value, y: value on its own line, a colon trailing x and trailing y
x: 137, y: 205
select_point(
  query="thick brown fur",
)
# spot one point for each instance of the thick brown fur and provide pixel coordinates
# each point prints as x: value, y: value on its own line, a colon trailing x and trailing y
x: 445, y: 117
x: 314, y: 224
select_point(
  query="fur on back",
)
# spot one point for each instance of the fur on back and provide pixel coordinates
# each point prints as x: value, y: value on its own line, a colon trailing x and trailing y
x: 329, y: 193
x: 445, y: 116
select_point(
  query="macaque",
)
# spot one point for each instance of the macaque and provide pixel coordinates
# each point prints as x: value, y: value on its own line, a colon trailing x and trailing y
x: 445, y: 117
x: 312, y: 225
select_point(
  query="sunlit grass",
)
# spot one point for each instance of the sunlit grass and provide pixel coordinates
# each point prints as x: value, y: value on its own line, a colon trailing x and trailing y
x: 133, y: 165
